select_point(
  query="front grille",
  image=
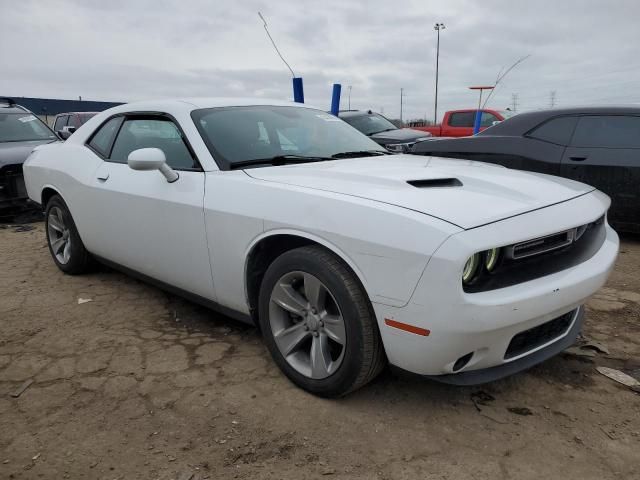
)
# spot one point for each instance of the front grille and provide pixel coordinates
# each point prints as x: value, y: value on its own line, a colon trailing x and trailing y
x: 12, y: 183
x: 542, y: 245
x: 536, y: 336
x: 542, y: 256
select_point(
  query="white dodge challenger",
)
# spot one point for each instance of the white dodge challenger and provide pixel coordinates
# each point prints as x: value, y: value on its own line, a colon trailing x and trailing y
x: 344, y: 256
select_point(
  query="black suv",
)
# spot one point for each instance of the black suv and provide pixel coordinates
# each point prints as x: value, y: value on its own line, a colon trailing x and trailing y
x: 20, y: 132
x: 382, y: 131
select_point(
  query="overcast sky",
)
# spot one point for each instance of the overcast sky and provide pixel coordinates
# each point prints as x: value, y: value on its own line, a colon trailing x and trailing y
x: 119, y: 50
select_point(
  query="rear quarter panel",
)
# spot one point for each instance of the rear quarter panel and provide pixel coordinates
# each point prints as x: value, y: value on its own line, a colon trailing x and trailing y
x: 68, y: 169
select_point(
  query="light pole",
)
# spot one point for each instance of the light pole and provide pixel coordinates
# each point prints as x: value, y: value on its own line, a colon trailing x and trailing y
x: 349, y: 97
x: 437, y: 27
x: 401, y: 95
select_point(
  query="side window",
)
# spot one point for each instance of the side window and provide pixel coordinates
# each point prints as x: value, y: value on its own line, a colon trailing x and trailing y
x: 557, y: 130
x: 102, y: 139
x: 152, y: 133
x: 607, y: 131
x: 487, y: 119
x: 74, y: 121
x: 462, y: 119
x: 61, y: 121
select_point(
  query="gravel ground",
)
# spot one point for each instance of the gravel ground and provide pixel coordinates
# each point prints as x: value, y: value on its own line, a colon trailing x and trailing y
x: 137, y: 383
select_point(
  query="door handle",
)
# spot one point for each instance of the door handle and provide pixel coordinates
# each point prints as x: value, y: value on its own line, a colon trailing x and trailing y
x: 103, y: 176
x: 578, y: 159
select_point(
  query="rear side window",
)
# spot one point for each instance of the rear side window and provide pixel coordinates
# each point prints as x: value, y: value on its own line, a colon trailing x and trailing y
x: 102, y: 139
x: 557, y: 130
x: 607, y: 131
x: 159, y: 133
x: 487, y: 119
x: 462, y: 119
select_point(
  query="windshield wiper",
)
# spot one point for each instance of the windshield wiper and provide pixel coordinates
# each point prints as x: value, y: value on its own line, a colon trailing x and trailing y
x: 278, y: 160
x: 382, y: 131
x: 361, y: 153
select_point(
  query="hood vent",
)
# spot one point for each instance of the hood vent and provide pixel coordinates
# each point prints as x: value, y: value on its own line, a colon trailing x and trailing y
x: 435, y: 183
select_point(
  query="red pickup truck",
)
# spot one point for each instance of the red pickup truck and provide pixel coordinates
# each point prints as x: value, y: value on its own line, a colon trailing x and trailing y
x: 459, y: 123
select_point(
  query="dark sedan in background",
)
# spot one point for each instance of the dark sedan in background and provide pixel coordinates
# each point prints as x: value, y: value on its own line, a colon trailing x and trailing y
x: 382, y: 131
x: 20, y: 132
x: 599, y: 146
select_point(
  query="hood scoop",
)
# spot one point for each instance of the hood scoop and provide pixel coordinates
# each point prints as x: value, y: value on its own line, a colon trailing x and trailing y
x: 435, y: 183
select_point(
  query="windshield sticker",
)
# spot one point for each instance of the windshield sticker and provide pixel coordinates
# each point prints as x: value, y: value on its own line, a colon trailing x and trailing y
x: 328, y: 118
x: 29, y: 118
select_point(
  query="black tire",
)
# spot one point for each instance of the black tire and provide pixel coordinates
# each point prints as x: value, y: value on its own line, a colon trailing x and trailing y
x: 80, y: 260
x: 364, y: 355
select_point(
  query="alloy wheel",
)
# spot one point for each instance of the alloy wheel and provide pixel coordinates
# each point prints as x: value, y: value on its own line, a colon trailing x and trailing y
x: 307, y: 325
x: 59, y: 235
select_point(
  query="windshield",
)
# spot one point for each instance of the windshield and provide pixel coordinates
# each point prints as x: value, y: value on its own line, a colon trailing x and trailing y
x: 370, y: 123
x: 21, y: 127
x: 239, y: 134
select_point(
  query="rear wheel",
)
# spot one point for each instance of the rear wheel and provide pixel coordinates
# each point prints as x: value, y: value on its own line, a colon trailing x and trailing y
x: 318, y: 323
x: 65, y: 245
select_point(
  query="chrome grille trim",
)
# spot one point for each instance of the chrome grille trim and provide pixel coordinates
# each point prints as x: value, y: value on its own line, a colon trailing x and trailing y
x: 540, y: 245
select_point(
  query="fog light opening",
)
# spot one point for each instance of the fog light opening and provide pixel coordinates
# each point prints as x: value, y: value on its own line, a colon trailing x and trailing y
x: 462, y: 362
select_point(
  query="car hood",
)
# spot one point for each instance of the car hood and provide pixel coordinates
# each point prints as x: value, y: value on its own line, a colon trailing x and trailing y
x: 17, y: 152
x: 462, y: 192
x: 400, y: 135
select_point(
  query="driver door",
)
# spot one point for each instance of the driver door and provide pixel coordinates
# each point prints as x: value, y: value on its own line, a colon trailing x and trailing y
x: 148, y: 224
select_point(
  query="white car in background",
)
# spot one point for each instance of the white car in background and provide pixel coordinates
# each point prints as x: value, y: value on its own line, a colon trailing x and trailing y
x: 345, y: 257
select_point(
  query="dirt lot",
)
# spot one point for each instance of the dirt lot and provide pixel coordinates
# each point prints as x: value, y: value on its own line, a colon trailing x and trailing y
x: 140, y: 384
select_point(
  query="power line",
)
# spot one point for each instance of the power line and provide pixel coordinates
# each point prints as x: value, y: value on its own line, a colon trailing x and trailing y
x: 552, y: 99
x: 514, y: 102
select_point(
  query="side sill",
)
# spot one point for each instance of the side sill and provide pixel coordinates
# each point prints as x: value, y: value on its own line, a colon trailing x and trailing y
x: 192, y: 297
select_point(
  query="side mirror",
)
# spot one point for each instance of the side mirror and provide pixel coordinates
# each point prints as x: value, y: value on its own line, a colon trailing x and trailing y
x: 151, y: 159
x: 495, y: 122
x: 66, y: 132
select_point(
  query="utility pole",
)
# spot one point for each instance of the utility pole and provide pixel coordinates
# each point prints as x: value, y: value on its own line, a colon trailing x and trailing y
x: 437, y: 27
x: 401, y: 97
x: 552, y: 99
x: 349, y: 97
x: 514, y: 102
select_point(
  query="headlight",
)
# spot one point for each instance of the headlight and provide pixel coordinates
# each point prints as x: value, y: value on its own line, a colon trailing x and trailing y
x: 398, y: 147
x: 491, y: 259
x: 470, y: 268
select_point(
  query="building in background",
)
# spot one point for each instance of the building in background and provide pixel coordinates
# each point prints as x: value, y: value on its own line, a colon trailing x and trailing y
x: 48, y: 108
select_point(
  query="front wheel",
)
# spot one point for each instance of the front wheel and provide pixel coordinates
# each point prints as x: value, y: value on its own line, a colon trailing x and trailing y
x: 65, y: 245
x: 318, y: 323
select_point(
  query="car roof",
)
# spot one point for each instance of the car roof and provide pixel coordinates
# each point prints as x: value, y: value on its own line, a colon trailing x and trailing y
x: 207, y: 102
x: 77, y: 113
x: 7, y: 107
x: 523, y: 122
x: 355, y: 113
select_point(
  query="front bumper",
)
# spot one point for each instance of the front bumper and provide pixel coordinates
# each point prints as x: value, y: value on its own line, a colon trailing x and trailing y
x: 479, y: 327
x: 485, y: 375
